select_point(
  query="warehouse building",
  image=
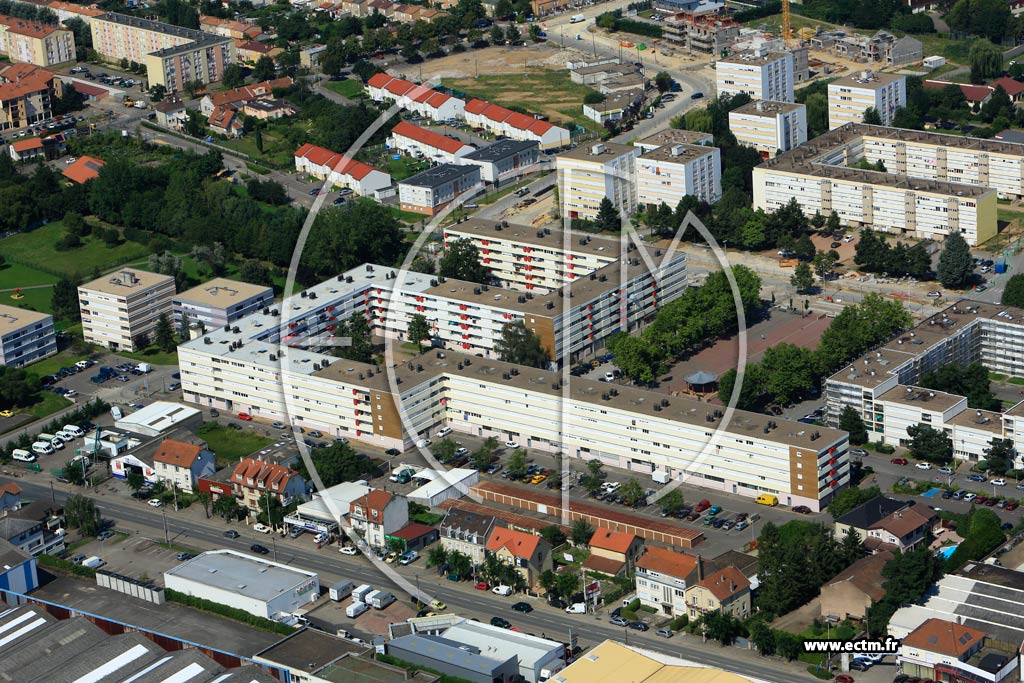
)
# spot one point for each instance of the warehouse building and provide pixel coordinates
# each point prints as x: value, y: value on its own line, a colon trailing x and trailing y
x: 260, y: 587
x: 532, y: 654
x: 453, y: 658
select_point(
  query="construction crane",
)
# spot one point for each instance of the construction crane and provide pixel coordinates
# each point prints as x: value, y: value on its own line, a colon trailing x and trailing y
x: 787, y: 29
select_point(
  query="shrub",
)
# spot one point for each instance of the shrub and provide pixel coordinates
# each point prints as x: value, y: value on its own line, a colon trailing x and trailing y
x: 881, y: 448
x: 679, y: 622
x: 232, y: 613
x: 67, y: 566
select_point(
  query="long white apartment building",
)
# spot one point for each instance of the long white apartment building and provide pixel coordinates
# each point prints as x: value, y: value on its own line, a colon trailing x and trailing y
x: 882, y: 385
x: 623, y: 426
x: 25, y: 336
x: 534, y: 260
x: 120, y: 308
x: 669, y: 173
x: 819, y: 176
x: 219, y: 302
x: 851, y: 96
x: 759, y: 73
x: 589, y: 173
x: 769, y: 127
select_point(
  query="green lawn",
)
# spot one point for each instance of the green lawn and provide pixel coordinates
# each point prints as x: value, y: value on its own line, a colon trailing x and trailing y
x: 277, y: 152
x: 16, y: 275
x: 406, y: 167
x: 49, y: 366
x: 152, y: 355
x: 49, y: 403
x: 348, y: 88
x: 229, y: 444
x: 953, y: 50
x: 408, y: 216
x: 33, y: 299
x: 35, y: 249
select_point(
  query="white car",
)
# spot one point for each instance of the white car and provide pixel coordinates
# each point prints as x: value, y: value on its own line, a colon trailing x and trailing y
x: 349, y: 550
x: 611, y: 486
x: 71, y: 160
x: 441, y: 433
x: 502, y: 590
x: 155, y: 503
x: 261, y: 528
x: 461, y: 452
x: 511, y: 444
x: 970, y: 496
x: 848, y: 238
x: 998, y: 482
x: 923, y: 465
x: 423, y: 443
x: 945, y: 470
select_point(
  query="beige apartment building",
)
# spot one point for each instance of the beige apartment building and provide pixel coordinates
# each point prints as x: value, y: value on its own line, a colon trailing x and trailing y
x: 589, y: 173
x: 118, y: 308
x: 850, y: 97
x: 27, y: 94
x: 173, y: 55
x: 759, y: 73
x: 769, y: 127
x: 667, y: 174
x: 34, y: 43
x: 25, y: 336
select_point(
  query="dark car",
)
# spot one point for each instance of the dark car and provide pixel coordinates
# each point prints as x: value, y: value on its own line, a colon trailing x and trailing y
x: 718, y: 522
x: 947, y: 494
x: 559, y: 603
x: 696, y: 96
x: 524, y: 607
x: 184, y: 556
x: 392, y: 452
x: 859, y: 665
x: 501, y: 623
x: 639, y: 626
x: 802, y: 509
x: 259, y: 549
x: 231, y: 533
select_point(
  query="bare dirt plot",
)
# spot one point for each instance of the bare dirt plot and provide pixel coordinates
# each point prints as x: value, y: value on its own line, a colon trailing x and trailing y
x: 495, y: 60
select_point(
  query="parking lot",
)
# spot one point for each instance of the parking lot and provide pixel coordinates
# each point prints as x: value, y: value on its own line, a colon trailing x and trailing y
x: 130, y: 554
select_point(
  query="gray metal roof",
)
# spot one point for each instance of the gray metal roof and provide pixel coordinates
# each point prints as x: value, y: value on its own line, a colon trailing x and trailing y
x: 449, y: 651
x: 502, y: 149
x: 501, y: 643
x: 440, y: 175
x: 242, y: 574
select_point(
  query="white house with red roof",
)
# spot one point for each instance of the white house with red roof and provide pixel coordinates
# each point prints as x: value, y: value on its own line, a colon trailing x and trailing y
x: 515, y: 125
x: 422, y: 99
x: 528, y: 553
x: 377, y: 514
x: 412, y: 139
x: 322, y: 163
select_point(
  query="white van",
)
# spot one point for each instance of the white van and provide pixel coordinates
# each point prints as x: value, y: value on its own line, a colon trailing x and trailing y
x: 42, y: 448
x: 55, y: 441
x: 65, y: 436
x: 74, y: 430
x: 115, y: 412
x: 23, y: 455
x: 355, y: 609
x: 576, y: 608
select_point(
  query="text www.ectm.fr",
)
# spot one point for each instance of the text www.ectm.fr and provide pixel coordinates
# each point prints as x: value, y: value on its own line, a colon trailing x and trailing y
x: 887, y: 645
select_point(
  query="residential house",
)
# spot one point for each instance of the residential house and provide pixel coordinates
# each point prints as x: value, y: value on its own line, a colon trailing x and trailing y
x: 170, y: 112
x: 25, y: 149
x: 266, y: 110
x: 941, y: 649
x: 887, y: 524
x: 615, y: 107
x: 413, y: 536
x: 528, y: 553
x: 250, y: 51
x: 377, y: 515
x: 502, y: 121
x: 252, y: 479
x: 661, y: 580
x: 504, y: 159
x: 84, y: 169
x: 182, y: 464
x: 974, y: 94
x: 851, y: 592
x: 1013, y: 87
x: 322, y: 163
x: 613, y: 552
x: 467, y: 532
x: 228, y: 28
x: 726, y: 591
x: 413, y: 140
x: 309, y: 56
x: 405, y: 14
x: 225, y: 121
x: 239, y: 96
x: 10, y: 497
x: 34, y: 528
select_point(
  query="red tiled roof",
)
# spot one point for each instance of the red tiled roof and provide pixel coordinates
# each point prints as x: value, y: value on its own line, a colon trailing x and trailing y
x: 246, y: 93
x: 397, y: 86
x: 56, y: 5
x: 28, y: 28
x: 83, y: 170
x: 26, y: 145
x: 865, y: 574
x: 374, y: 500
x: 222, y: 117
x: 427, y: 137
x: 177, y: 453
x: 412, y: 531
x: 320, y: 156
x: 725, y: 583
x: 437, y: 99
x: 540, y: 127
x: 902, y: 522
x: 520, y: 121
x: 88, y: 89
x: 379, y: 80
x: 476, y: 106
x: 615, y: 541
x: 1011, y: 86
x: 605, y: 565
x: 678, y: 565
x: 18, y: 80
x: 254, y: 46
x: 520, y: 544
x: 944, y: 637
x: 513, y: 518
x: 264, y: 474
x: 350, y: 167
x: 11, y: 488
x: 496, y: 113
x: 973, y: 93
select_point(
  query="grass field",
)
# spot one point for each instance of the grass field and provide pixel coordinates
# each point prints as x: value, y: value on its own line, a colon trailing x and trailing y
x: 408, y: 216
x: 277, y: 151
x: 231, y: 445
x: 152, y: 355
x: 349, y: 88
x: 49, y: 403
x: 537, y: 90
x: 50, y: 365
x: 403, y: 168
x: 16, y: 275
x: 32, y: 299
x: 35, y: 250
x: 953, y: 50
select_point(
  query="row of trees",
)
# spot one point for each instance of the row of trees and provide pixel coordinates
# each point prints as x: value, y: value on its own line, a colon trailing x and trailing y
x: 873, y: 254
x: 788, y: 372
x: 694, y: 320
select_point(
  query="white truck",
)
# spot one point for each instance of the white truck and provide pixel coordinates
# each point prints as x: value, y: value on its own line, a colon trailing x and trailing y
x: 577, y: 18
x: 93, y: 562
x: 341, y: 590
x: 660, y: 477
x: 359, y: 594
x: 52, y: 439
x: 144, y: 367
x: 379, y: 599
x: 355, y: 609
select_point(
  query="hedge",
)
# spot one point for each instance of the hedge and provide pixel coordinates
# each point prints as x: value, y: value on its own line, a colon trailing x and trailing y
x: 409, y: 666
x: 67, y: 566
x: 232, y: 613
x: 679, y: 622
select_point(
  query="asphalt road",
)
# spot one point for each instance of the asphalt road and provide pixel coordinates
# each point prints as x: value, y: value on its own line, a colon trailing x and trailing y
x: 461, y: 598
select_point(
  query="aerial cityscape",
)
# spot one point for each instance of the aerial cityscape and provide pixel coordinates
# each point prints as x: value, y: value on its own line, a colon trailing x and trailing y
x: 511, y: 341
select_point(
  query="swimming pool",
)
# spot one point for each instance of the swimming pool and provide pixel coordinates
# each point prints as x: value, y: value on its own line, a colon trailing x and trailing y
x: 947, y: 552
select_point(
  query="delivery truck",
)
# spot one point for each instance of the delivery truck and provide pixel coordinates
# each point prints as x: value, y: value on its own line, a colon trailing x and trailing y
x: 359, y: 594
x: 379, y: 599
x: 577, y: 18
x: 355, y: 609
x: 341, y: 590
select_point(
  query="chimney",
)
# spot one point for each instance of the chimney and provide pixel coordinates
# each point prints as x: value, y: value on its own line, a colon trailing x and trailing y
x: 700, y: 568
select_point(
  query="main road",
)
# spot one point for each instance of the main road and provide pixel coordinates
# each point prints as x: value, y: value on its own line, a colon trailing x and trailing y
x: 461, y: 598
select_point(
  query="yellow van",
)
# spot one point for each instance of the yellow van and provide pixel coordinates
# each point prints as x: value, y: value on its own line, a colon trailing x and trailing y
x: 767, y: 499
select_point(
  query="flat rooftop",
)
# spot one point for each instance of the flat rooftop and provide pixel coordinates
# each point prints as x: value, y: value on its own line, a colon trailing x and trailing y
x: 679, y: 153
x: 981, y: 420
x: 872, y: 80
x: 235, y: 572
x: 309, y: 649
x: 439, y: 175
x: 919, y: 397
x: 751, y: 57
x: 363, y: 670
x: 671, y: 136
x: 554, y: 239
x: 609, y: 151
x: 767, y: 108
x: 13, y: 318
x: 127, y: 281
x: 221, y: 291
x: 617, y: 100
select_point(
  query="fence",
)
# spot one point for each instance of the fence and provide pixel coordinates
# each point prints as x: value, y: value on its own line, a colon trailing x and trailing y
x: 144, y: 590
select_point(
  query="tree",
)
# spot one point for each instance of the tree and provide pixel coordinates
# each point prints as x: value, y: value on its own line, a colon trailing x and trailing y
x: 232, y: 76
x: 763, y: 638
x: 721, y: 626
x: 165, y: 334
x: 461, y: 261
x: 594, y: 97
x: 787, y: 372
x: 802, y: 278
x: 986, y: 61
x: 753, y: 386
x: 851, y: 547
x: 264, y: 70
x: 850, y: 421
x: 999, y: 456
x: 971, y: 381
x: 517, y: 464
x: 534, y: 33
x: 581, y: 533
x: 553, y: 535
x: 634, y: 357
x: 871, y: 117
x: 607, y: 219
x: 419, y: 329
x: 663, y: 81
x: 343, y: 238
x: 259, y: 138
x: 497, y: 35
x: 437, y: 556
x: 804, y: 249
x: 65, y: 300
x: 520, y: 346
x: 360, y: 342
x: 823, y: 263
x: 337, y: 463
x: 255, y: 272
x: 908, y: 577
x: 1013, y: 292
x: 631, y: 491
x: 228, y: 507
x: 956, y: 266
x: 671, y: 502
x: 929, y: 444
x: 484, y: 455
x: 567, y: 583
x: 135, y: 481
x: 205, y: 499
x: 74, y: 472
x: 158, y: 92
x: 81, y: 513
x: 445, y: 451
x: 460, y: 563
x: 270, y: 511
x: 594, y: 476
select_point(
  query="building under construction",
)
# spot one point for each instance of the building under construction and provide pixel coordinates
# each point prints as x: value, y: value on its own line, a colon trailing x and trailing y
x: 704, y: 31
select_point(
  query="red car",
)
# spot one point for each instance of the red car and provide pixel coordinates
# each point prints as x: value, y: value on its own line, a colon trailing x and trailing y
x: 980, y: 500
x: 482, y: 586
x: 895, y: 461
x: 843, y: 678
x: 1011, y: 506
x: 245, y: 416
x: 702, y: 506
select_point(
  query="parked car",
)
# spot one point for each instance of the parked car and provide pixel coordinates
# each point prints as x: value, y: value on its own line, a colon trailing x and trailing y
x: 618, y: 621
x: 155, y: 503
x: 245, y: 417
x: 182, y: 557
x: 639, y: 626
x: 923, y: 465
x: 481, y: 585
x: 261, y: 528
x: 231, y: 533
x: 349, y: 550
x: 802, y: 509
x: 899, y: 461
x: 976, y: 478
x: 511, y: 444
x: 945, y: 470
x: 259, y: 549
x: 664, y: 632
